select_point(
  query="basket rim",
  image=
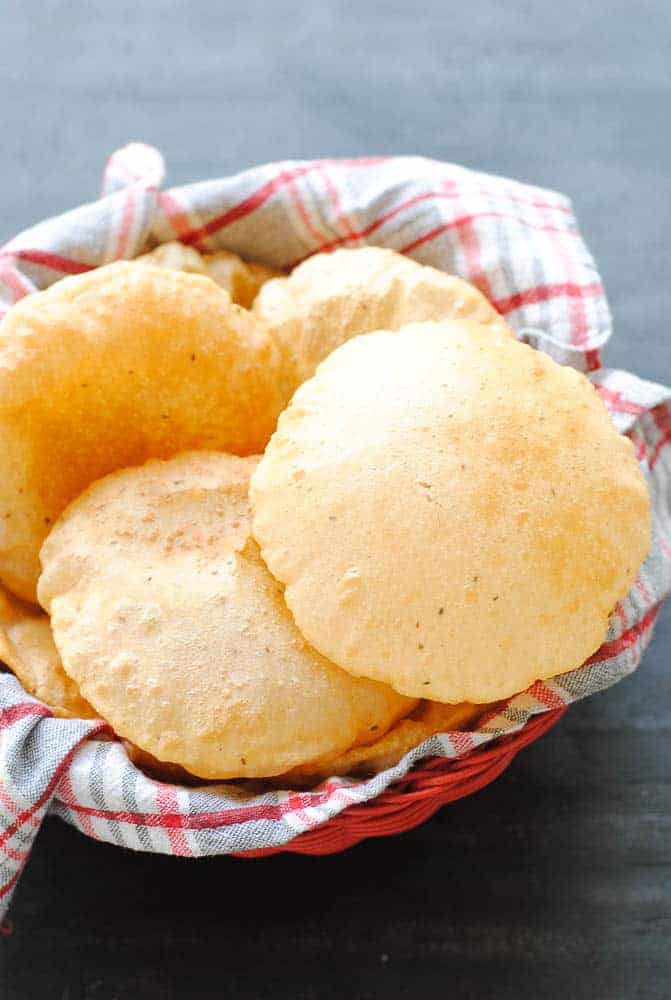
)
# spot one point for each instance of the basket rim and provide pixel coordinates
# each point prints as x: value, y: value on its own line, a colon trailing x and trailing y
x: 416, y: 796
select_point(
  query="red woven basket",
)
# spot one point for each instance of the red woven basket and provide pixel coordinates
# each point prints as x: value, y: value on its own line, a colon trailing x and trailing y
x: 414, y: 798
x: 487, y: 230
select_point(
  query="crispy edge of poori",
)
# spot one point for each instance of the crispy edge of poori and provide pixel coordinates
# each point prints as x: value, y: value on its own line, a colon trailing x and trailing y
x: 27, y: 647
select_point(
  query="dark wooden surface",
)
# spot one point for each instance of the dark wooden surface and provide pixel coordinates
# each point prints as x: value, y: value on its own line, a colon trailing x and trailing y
x: 556, y: 881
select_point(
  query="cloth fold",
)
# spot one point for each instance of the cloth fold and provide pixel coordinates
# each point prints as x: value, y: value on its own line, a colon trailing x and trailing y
x: 521, y: 246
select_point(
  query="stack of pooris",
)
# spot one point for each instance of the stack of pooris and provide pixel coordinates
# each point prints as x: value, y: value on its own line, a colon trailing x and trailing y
x: 107, y: 369
x: 441, y: 517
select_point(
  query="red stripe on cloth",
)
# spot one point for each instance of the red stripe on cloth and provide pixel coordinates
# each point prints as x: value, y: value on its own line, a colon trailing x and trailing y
x: 266, y: 191
x: 13, y: 279
x: 8, y: 716
x: 434, y: 196
x: 52, y: 260
x: 662, y: 442
x: 334, y: 195
x: 616, y: 401
x: 541, y: 293
x: 301, y: 814
x: 462, y: 742
x: 577, y: 312
x: 176, y: 215
x: 239, y: 211
x: 593, y: 359
x: 301, y: 207
x: 127, y: 217
x: 205, y: 820
x: 13, y: 807
x: 627, y: 639
x: 639, y: 444
x: 67, y: 794
x: 168, y: 802
x: 18, y: 856
x: 541, y: 692
x: 26, y: 815
x: 8, y: 886
x: 246, y: 206
x: 620, y: 612
x: 472, y: 250
x: 376, y: 224
x: 467, y: 220
x: 662, y: 418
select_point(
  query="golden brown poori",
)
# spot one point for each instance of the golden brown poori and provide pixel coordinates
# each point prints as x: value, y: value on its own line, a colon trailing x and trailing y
x: 451, y: 512
x: 107, y: 369
x: 332, y: 297
x: 27, y: 648
x: 175, y: 631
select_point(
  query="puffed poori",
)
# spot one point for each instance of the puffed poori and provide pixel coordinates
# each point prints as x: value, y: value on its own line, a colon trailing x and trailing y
x: 107, y: 369
x: 332, y: 297
x: 451, y: 512
x: 172, y: 627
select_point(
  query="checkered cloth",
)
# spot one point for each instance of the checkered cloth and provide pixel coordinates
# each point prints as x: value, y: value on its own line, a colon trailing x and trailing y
x: 521, y: 247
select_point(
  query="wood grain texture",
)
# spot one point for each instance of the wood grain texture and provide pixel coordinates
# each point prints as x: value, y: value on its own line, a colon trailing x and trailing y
x: 556, y: 881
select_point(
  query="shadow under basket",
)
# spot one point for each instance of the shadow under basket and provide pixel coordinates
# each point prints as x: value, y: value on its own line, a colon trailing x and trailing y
x: 414, y: 798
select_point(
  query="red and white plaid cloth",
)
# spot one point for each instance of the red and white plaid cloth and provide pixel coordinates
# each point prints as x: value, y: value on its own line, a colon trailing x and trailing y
x: 521, y: 247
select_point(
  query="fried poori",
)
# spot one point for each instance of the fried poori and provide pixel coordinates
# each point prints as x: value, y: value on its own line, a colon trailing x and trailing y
x: 451, y: 512
x: 107, y: 369
x: 332, y: 297
x: 27, y: 648
x: 169, y: 622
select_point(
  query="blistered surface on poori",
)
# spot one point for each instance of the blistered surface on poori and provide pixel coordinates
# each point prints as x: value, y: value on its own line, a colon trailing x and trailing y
x: 110, y: 368
x: 451, y: 512
x: 332, y: 297
x: 428, y: 719
x: 167, y: 618
x: 27, y: 648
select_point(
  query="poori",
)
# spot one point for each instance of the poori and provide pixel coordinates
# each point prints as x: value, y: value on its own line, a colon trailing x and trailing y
x: 441, y: 517
x: 172, y: 627
x: 107, y: 369
x: 450, y: 511
x: 365, y: 759
x: 27, y: 648
x: 240, y: 278
x: 332, y: 297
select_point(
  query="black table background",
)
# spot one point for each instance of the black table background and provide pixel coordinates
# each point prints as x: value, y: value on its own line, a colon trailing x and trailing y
x: 556, y: 880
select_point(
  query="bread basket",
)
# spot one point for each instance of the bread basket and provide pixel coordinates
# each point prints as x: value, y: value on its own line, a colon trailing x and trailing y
x: 520, y: 246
